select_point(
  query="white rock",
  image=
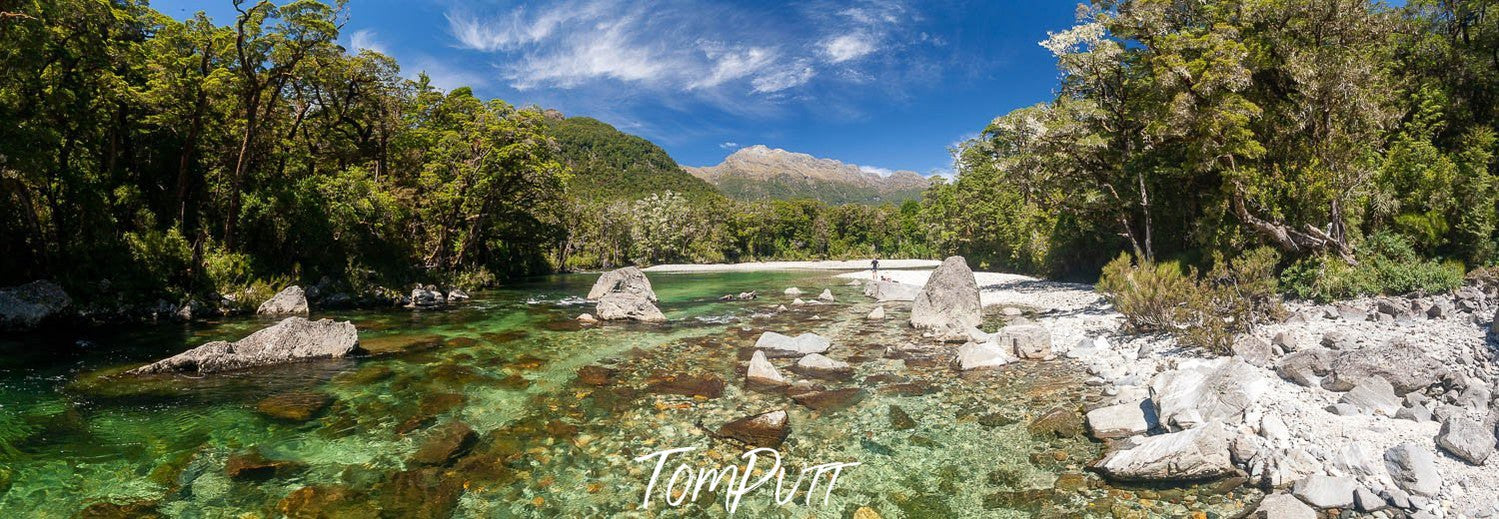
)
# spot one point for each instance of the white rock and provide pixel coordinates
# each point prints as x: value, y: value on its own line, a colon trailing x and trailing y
x: 878, y: 314
x: 1283, y: 506
x: 793, y: 291
x: 798, y: 302
x: 1027, y: 341
x: 891, y: 291
x: 1122, y: 420
x: 289, y: 301
x: 762, y: 372
x: 627, y: 306
x: 976, y: 355
x: 1326, y: 491
x: 1200, y: 453
x: 1373, y: 395
x: 628, y: 280
x: 817, y: 365
x: 1274, y: 429
x: 950, y: 299
x: 1468, y: 439
x: 826, y: 295
x: 1413, y: 469
x: 1212, y: 390
x: 779, y: 345
x: 587, y: 319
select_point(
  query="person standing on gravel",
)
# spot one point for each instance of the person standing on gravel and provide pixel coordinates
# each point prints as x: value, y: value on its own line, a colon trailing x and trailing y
x: 874, y: 268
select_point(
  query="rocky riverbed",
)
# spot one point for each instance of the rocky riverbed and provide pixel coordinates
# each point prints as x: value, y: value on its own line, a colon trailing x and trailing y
x: 1380, y: 406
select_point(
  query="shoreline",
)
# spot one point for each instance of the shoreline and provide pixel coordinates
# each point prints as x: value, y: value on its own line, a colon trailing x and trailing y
x: 760, y: 266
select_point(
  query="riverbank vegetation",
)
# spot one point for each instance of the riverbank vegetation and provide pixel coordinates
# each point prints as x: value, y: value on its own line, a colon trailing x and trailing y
x: 143, y: 157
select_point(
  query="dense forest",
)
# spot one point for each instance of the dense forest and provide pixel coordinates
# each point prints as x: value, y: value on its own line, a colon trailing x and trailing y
x: 143, y: 157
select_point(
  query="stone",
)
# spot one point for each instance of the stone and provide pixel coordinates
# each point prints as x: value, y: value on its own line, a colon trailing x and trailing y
x: 619, y: 306
x: 780, y: 345
x: 293, y: 339
x: 587, y: 319
x: 1468, y: 439
x: 900, y: 420
x: 818, y: 366
x: 1475, y: 397
x: 1286, y: 341
x: 793, y: 292
x: 628, y: 280
x: 1059, y: 422
x: 985, y: 355
x: 878, y: 314
x: 1373, y: 396
x: 798, y: 302
x: 1358, y: 459
x: 1336, y: 340
x: 1274, y: 429
x: 1306, y: 367
x: 1413, y: 469
x: 1283, y: 506
x: 426, y: 298
x: 1027, y: 341
x: 297, y: 406
x: 289, y: 301
x: 1342, y: 409
x: 883, y: 291
x: 829, y: 400
x: 768, y: 429
x: 1122, y: 420
x: 1352, y: 313
x: 826, y: 296
x: 252, y: 466
x: 445, y: 444
x: 1417, y: 413
x: 950, y: 299
x: 1191, y: 455
x: 1326, y: 491
x: 457, y: 294
x: 596, y: 376
x: 1207, y: 390
x: 1254, y: 350
x: 707, y: 385
x: 1365, y: 500
x: 1405, y: 366
x: 763, y: 373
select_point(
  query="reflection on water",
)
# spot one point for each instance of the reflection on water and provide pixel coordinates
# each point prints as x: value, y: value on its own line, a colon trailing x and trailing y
x: 507, y: 407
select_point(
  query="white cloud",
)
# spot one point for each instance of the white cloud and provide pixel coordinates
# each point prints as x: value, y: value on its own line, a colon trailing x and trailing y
x: 882, y: 172
x: 848, y: 47
x: 365, y: 39
x: 782, y: 78
x: 730, y: 145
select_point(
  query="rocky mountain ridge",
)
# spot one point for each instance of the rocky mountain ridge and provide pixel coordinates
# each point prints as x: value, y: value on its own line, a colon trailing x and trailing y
x: 760, y: 172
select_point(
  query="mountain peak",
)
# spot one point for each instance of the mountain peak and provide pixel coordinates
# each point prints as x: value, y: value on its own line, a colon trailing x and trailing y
x: 760, y: 172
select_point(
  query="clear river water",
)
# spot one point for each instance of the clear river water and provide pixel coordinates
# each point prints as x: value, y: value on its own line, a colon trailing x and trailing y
x: 560, y: 413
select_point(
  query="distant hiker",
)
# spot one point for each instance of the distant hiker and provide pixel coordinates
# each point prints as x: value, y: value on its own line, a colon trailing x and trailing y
x: 874, y: 267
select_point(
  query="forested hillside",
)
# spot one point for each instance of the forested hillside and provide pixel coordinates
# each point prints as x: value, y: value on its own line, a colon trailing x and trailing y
x: 609, y: 164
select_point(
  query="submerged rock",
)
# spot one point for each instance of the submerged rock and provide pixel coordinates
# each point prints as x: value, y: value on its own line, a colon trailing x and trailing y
x: 950, y: 299
x: 1196, y: 454
x: 768, y: 429
x: 707, y: 385
x: 25, y: 306
x: 628, y: 280
x: 1059, y: 422
x: 289, y: 301
x: 829, y: 400
x: 253, y: 466
x: 985, y: 355
x: 618, y: 306
x: 763, y: 373
x: 445, y: 444
x: 878, y: 314
x: 292, y: 339
x: 1027, y: 341
x: 298, y: 406
x: 780, y: 345
x: 819, y: 366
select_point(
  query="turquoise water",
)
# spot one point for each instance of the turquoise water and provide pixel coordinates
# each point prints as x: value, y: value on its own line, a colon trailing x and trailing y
x: 77, y: 438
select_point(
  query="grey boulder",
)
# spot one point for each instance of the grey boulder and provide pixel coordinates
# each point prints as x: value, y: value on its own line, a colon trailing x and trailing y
x: 625, y: 306
x: 950, y: 299
x: 1027, y: 341
x: 1201, y: 391
x: 1122, y: 420
x: 23, y: 307
x: 292, y: 339
x: 1373, y: 396
x: 1413, y: 469
x: 1468, y: 439
x: 1404, y: 365
x: 780, y: 345
x: 1306, y: 367
x: 628, y: 280
x: 1192, y: 455
x: 1283, y: 506
x: 1326, y: 491
x: 891, y: 291
x: 289, y: 301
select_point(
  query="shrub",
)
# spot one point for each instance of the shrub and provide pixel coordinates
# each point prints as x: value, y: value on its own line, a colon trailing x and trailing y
x: 1388, y: 264
x: 1202, y: 311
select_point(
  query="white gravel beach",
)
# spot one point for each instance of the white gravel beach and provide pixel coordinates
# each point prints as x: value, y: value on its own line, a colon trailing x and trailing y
x: 758, y: 266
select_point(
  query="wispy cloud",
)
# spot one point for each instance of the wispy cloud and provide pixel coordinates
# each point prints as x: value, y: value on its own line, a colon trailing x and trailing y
x: 882, y: 172
x: 365, y: 39
x: 730, y: 145
x: 715, y: 51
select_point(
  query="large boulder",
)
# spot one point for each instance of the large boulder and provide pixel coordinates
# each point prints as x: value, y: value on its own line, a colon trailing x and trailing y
x: 1197, y: 454
x: 1306, y: 367
x: 292, y: 339
x: 891, y: 291
x: 1374, y: 395
x: 629, y: 280
x: 1203, y: 391
x: 426, y: 297
x: 23, y: 307
x: 950, y: 299
x: 1283, y: 506
x: 1413, y: 469
x: 624, y: 306
x: 1326, y: 491
x: 289, y: 301
x: 779, y: 345
x: 1468, y: 439
x: 982, y: 355
x: 816, y: 365
x: 1404, y: 365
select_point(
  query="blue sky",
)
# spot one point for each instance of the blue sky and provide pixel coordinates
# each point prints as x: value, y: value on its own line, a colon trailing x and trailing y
x: 885, y: 84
